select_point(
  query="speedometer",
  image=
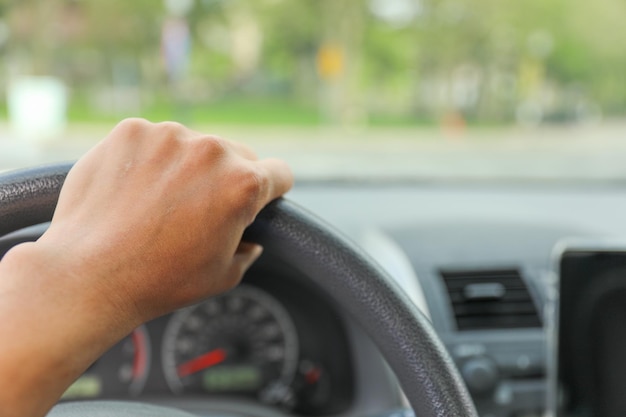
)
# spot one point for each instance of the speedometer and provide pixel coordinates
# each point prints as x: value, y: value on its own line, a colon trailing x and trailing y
x: 241, y: 342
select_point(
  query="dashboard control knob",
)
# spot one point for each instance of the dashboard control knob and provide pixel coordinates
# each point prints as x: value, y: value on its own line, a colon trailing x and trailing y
x: 480, y: 374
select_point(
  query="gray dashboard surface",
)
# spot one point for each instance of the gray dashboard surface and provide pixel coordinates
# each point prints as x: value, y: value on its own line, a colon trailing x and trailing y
x: 594, y: 208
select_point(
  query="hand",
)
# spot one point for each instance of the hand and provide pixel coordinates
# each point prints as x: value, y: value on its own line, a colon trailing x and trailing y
x: 149, y: 220
x: 155, y: 213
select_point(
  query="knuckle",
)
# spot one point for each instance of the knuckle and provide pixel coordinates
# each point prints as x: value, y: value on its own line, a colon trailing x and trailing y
x: 171, y: 130
x: 131, y: 127
x: 251, y: 181
x: 211, y: 147
x: 252, y: 187
x: 134, y: 122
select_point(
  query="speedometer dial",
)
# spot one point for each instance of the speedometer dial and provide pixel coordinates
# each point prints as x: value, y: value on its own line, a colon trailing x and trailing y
x: 242, y: 342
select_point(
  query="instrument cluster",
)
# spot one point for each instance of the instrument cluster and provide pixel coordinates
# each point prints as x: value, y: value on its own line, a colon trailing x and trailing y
x: 272, y: 339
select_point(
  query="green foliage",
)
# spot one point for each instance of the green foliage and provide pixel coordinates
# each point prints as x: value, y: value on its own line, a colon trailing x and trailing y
x: 393, y: 72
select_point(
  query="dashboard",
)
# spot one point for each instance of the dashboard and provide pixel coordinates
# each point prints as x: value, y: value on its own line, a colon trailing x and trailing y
x: 475, y: 258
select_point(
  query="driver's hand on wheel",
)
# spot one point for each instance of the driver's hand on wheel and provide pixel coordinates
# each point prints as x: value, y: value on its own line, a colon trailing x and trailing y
x: 148, y: 221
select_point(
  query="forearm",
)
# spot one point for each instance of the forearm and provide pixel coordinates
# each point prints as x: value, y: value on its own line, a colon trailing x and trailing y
x: 52, y: 330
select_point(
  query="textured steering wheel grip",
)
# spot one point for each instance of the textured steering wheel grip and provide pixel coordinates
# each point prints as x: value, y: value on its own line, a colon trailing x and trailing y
x: 28, y: 197
x: 405, y: 337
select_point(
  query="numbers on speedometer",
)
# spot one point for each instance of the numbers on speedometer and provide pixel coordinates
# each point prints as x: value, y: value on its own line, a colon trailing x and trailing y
x: 242, y: 342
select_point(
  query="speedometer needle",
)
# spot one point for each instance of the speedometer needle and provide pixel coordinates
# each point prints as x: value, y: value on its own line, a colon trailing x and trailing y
x: 203, y: 361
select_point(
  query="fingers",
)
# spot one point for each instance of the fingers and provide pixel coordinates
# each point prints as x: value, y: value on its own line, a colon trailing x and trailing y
x: 245, y: 255
x: 279, y: 175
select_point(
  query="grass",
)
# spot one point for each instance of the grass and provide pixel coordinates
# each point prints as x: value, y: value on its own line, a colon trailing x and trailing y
x: 240, y: 111
x: 246, y: 112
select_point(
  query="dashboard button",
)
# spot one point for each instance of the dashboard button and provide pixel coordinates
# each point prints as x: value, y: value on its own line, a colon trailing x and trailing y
x: 480, y: 374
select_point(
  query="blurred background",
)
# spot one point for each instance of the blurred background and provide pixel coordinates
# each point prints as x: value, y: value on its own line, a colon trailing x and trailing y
x: 403, y: 88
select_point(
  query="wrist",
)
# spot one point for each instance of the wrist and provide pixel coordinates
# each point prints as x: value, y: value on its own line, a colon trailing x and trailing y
x: 54, y: 327
x: 45, y: 272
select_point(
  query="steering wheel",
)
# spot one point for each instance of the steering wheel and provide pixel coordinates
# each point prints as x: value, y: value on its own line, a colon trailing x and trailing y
x: 404, y: 336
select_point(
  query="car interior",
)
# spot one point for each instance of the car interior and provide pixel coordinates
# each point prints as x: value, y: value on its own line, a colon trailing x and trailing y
x: 459, y: 230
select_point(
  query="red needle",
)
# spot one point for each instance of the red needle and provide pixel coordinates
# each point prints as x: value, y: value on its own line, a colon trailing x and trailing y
x: 204, y: 361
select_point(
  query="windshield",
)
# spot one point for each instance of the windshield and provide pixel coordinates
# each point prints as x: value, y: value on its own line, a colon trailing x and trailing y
x: 354, y: 89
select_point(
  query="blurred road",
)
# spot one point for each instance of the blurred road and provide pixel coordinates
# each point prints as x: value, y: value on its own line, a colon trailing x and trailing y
x: 548, y: 153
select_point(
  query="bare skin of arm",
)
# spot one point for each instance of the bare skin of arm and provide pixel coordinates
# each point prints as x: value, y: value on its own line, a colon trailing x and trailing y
x: 148, y: 221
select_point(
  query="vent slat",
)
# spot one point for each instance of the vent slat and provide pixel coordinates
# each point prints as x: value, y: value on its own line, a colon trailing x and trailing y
x: 514, y: 308
x: 510, y: 296
x: 455, y: 286
x: 473, y: 323
x: 494, y: 309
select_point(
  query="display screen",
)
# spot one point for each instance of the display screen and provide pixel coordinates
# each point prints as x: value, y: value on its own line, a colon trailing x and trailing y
x: 232, y: 378
x: 87, y: 386
x: 591, y: 335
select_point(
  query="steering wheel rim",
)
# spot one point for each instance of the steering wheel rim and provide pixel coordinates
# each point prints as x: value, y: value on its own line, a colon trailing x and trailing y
x: 404, y: 336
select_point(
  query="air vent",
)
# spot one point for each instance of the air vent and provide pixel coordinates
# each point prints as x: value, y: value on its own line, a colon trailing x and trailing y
x: 490, y: 299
